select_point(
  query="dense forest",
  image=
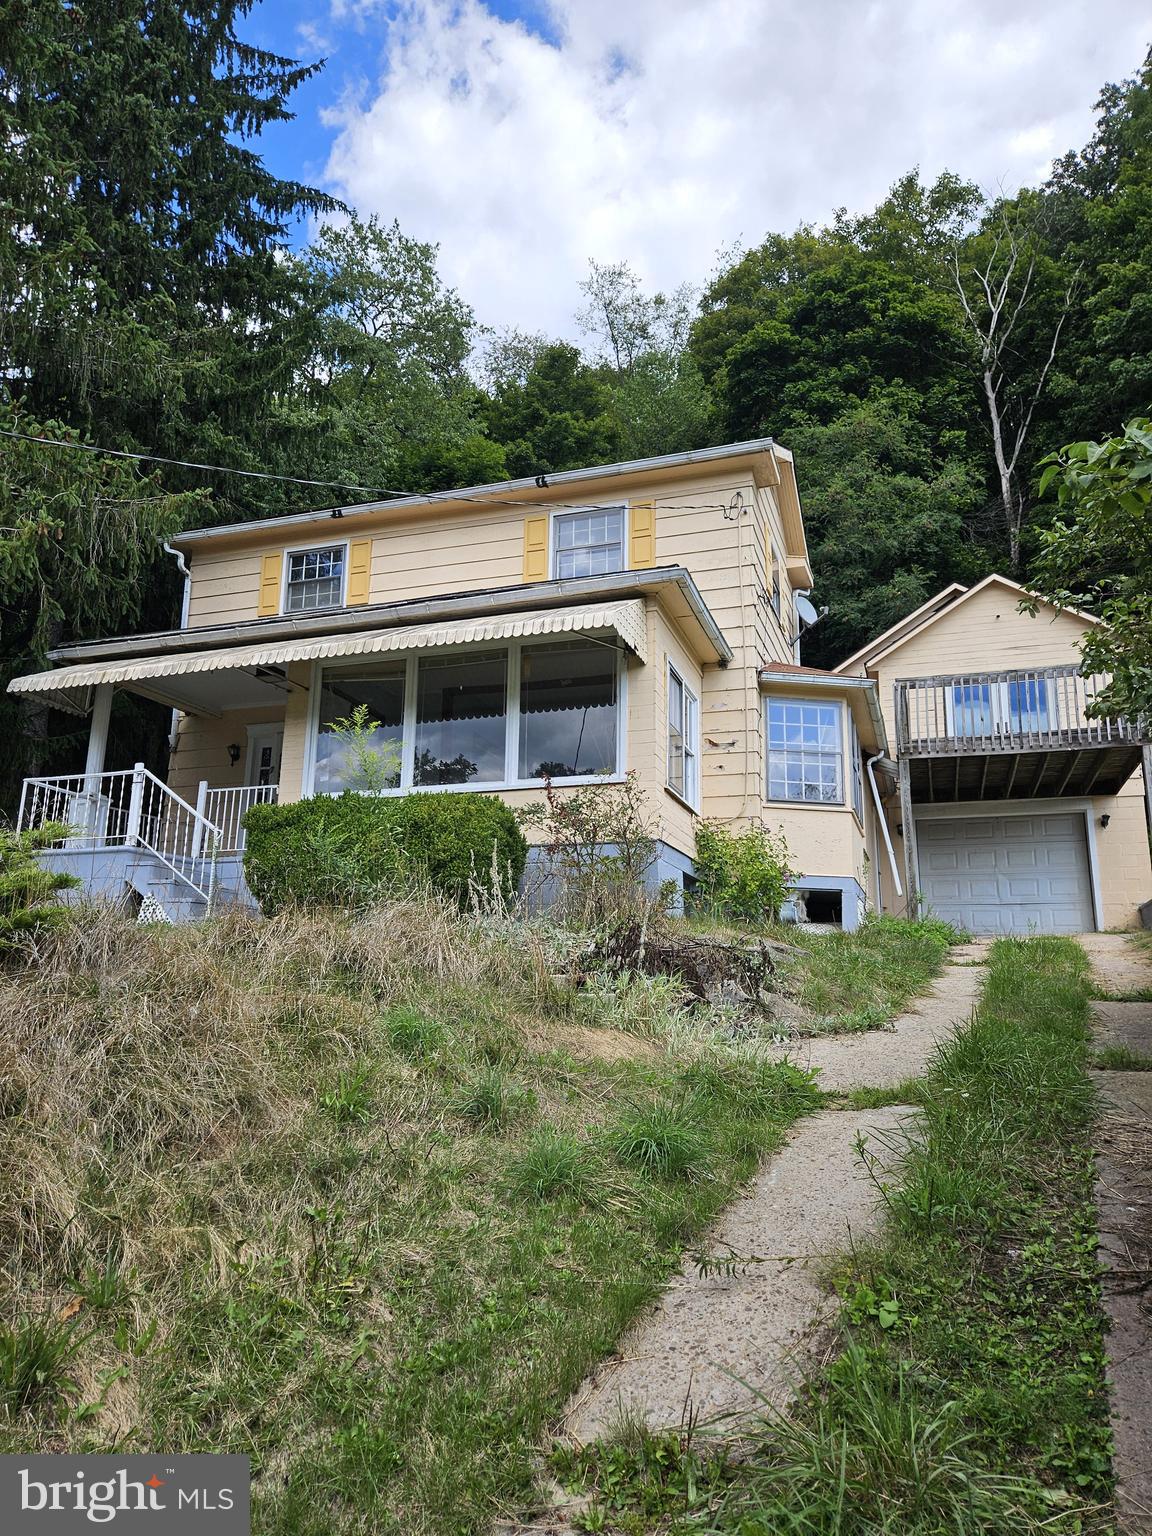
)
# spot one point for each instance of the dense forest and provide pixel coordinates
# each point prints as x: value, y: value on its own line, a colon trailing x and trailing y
x: 919, y: 360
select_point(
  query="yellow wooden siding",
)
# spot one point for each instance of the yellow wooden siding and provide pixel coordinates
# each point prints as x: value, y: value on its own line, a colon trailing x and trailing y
x: 202, y: 750
x: 359, y: 572
x: 535, y: 549
x: 642, y: 535
x: 271, y: 577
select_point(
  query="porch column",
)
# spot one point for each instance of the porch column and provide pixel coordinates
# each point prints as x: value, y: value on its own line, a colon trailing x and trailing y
x: 911, y: 871
x: 98, y: 730
x: 1146, y: 766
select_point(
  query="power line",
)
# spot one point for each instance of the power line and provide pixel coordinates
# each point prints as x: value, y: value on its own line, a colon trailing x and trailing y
x: 333, y: 485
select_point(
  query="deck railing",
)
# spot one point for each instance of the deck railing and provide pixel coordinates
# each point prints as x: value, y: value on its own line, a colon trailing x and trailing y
x: 129, y: 808
x: 226, y: 809
x: 1024, y: 710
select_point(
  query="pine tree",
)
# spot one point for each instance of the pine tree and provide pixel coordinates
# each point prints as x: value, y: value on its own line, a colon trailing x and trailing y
x: 143, y: 297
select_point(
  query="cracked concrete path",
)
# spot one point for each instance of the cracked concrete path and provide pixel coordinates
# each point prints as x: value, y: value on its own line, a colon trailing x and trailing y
x: 1124, y: 1204
x: 884, y: 1058
x: 722, y: 1343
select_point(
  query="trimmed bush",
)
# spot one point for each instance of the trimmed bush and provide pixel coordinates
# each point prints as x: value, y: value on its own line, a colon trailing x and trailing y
x: 350, y: 849
x: 742, y: 876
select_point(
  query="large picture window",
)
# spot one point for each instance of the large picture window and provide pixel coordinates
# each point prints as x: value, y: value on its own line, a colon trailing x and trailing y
x: 588, y: 543
x: 315, y: 579
x: 805, y: 751
x: 567, y: 710
x: 340, y: 760
x: 461, y: 713
x: 482, y: 718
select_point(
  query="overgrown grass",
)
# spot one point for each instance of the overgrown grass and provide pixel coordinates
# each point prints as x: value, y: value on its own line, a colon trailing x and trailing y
x: 970, y: 1395
x: 339, y: 1193
x: 1121, y: 1058
x: 861, y: 980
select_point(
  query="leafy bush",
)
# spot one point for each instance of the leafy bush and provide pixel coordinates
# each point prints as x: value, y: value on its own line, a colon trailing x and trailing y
x: 350, y: 849
x: 743, y: 875
x: 598, y: 847
x: 27, y: 889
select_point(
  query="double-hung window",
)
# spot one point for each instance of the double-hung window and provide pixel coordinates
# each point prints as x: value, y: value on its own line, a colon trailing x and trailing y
x: 315, y: 579
x: 683, y: 739
x: 805, y: 751
x: 588, y: 543
x: 856, y: 767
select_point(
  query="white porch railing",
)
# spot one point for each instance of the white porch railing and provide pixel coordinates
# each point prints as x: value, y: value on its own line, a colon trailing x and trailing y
x: 226, y: 808
x: 130, y: 808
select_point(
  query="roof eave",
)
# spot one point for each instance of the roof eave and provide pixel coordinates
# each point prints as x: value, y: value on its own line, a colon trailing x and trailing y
x: 663, y: 579
x: 513, y: 489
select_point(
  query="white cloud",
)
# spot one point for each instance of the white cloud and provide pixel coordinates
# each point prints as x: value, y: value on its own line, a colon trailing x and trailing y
x: 659, y: 131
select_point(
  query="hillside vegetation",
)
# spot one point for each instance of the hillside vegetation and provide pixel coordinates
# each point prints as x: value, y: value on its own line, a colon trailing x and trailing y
x: 361, y: 1196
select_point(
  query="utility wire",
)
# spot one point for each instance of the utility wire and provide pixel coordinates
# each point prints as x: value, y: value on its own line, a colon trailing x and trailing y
x: 334, y: 485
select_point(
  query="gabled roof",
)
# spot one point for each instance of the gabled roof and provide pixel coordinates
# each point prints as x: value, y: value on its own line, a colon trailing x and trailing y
x: 940, y: 600
x: 944, y: 603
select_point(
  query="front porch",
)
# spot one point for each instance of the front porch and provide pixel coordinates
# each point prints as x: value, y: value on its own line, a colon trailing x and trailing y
x: 130, y: 838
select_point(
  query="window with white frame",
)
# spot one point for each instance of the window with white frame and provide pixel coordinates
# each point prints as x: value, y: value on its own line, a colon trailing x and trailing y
x: 857, y: 770
x: 568, y: 714
x: 315, y: 579
x: 683, y: 739
x: 588, y: 543
x: 474, y: 717
x: 805, y: 751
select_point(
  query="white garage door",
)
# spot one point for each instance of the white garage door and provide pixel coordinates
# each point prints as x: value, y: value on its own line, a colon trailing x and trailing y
x: 1007, y: 874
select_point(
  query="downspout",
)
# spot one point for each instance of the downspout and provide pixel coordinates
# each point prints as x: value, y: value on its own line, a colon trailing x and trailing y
x: 883, y: 819
x: 185, y: 603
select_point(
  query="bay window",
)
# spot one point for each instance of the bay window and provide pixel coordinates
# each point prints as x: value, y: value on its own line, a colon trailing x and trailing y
x: 484, y: 718
x: 805, y: 751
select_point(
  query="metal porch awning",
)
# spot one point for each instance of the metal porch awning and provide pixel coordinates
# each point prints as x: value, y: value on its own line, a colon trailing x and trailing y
x: 69, y: 687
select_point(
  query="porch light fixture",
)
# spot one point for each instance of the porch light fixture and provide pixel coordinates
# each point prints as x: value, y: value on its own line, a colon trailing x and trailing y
x: 1105, y: 819
x: 234, y: 750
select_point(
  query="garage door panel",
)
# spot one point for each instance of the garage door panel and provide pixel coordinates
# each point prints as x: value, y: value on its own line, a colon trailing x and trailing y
x: 1008, y: 874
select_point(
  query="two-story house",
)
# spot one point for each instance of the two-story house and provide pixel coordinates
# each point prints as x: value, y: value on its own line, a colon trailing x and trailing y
x: 638, y: 617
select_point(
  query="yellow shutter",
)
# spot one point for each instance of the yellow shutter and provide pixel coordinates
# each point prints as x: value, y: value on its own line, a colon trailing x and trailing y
x: 359, y: 570
x: 535, y: 549
x: 271, y: 570
x: 642, y: 535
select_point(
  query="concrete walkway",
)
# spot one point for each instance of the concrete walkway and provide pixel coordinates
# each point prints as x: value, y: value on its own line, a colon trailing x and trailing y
x: 1124, y: 1200
x: 721, y: 1343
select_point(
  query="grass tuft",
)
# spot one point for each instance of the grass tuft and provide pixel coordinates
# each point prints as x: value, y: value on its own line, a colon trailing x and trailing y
x: 1121, y: 1058
x: 669, y: 1139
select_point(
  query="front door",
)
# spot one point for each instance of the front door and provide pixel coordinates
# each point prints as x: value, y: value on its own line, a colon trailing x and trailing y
x: 265, y: 749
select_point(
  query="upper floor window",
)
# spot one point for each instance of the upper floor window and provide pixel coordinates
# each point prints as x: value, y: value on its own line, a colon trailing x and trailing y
x: 805, y: 751
x: 588, y: 543
x: 315, y: 579
x: 683, y: 739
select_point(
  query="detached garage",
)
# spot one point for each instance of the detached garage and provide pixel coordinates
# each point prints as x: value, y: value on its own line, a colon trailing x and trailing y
x: 1029, y: 871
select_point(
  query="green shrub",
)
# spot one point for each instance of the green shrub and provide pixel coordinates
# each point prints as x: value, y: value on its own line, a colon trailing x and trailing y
x: 744, y: 875
x: 350, y: 849
x: 28, y: 890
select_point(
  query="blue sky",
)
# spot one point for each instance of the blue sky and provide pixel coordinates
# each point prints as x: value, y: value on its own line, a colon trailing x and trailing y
x: 525, y: 136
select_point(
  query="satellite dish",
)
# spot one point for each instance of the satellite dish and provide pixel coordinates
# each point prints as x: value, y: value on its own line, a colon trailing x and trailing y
x: 807, y: 613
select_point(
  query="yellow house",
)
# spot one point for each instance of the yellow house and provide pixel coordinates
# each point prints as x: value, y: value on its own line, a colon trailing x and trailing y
x: 629, y: 618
